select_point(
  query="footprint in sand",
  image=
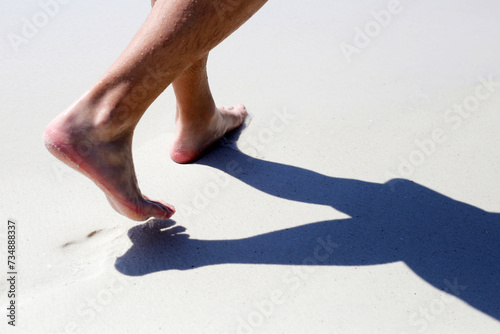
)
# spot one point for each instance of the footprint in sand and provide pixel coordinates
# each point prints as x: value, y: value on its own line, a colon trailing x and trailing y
x: 92, y: 254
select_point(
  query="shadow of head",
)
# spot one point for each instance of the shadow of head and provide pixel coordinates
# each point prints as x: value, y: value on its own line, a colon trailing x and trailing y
x: 452, y: 245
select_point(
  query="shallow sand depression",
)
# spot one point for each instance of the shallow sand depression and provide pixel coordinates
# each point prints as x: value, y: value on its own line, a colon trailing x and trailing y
x: 361, y: 196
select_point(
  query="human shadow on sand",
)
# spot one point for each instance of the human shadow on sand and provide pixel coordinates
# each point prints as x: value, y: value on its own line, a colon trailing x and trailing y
x: 452, y: 245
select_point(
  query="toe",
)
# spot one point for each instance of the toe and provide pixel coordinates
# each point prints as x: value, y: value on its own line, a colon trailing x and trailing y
x: 243, y: 110
x: 170, y: 208
x: 159, y: 209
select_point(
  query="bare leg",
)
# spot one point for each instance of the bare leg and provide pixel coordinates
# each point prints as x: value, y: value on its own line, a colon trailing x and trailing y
x: 94, y: 135
x: 199, y: 123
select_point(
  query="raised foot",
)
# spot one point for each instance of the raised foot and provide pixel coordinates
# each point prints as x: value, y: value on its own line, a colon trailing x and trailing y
x: 106, y: 162
x: 194, y: 138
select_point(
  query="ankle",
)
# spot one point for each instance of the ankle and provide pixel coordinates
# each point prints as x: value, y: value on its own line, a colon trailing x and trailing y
x: 100, y: 114
x: 196, y: 116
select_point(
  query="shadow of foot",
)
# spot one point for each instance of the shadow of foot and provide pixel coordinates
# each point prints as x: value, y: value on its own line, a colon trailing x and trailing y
x: 452, y: 245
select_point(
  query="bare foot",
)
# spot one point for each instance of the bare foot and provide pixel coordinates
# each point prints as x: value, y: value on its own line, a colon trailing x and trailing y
x: 90, y: 148
x: 196, y: 136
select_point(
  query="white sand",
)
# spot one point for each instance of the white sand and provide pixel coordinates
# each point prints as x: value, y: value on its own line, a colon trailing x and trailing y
x: 318, y: 172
